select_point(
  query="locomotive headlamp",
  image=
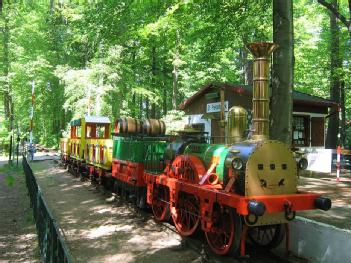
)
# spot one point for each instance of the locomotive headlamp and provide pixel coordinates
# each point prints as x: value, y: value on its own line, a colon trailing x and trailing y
x: 237, y: 163
x: 303, y: 163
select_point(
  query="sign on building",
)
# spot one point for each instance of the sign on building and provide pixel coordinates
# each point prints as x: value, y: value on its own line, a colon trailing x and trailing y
x: 319, y: 160
x: 216, y: 107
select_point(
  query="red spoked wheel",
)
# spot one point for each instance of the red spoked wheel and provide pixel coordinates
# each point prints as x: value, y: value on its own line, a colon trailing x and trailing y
x: 187, y: 168
x: 224, y: 236
x: 160, y: 203
x: 186, y: 216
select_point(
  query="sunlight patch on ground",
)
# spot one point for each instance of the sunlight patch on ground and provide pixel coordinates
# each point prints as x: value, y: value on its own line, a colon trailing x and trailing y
x: 106, y: 230
x: 121, y: 257
x: 166, y: 242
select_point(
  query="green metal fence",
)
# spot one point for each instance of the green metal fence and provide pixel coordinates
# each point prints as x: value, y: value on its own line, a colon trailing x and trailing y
x: 51, y: 242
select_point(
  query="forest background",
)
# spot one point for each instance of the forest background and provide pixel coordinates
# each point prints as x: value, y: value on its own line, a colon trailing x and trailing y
x: 143, y: 58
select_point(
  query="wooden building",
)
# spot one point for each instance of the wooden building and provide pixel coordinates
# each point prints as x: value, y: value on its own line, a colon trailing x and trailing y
x: 309, y: 112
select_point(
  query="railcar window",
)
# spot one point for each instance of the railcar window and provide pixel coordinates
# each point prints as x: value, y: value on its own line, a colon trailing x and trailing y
x: 284, y: 166
x: 260, y: 166
x: 272, y: 166
x: 78, y: 131
x: 100, y: 132
x: 88, y: 132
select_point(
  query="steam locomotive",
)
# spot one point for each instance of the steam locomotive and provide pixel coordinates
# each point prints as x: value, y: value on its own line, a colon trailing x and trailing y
x: 237, y: 192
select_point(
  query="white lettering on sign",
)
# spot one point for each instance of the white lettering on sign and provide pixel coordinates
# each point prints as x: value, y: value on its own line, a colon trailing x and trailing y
x: 216, y: 107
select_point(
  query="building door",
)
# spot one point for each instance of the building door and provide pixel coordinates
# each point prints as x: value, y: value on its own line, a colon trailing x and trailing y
x: 317, y: 131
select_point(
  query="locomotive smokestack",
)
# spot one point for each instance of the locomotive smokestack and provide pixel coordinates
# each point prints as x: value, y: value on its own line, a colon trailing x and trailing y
x: 260, y: 99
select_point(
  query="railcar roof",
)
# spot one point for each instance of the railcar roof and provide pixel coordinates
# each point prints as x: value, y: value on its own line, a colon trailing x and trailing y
x: 91, y: 119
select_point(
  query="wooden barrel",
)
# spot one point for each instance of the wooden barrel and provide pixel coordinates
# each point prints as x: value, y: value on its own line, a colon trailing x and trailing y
x: 153, y: 127
x: 128, y: 126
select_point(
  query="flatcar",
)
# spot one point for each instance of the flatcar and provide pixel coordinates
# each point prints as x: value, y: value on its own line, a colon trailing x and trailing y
x: 244, y: 190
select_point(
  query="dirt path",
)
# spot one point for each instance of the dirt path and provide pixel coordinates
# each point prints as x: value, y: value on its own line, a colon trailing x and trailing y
x: 18, y: 239
x: 99, y: 229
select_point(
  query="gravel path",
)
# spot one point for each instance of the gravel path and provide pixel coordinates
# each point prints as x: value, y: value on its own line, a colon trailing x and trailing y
x: 18, y: 239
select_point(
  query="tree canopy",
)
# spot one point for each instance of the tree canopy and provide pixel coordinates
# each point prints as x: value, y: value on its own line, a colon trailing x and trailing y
x: 143, y: 58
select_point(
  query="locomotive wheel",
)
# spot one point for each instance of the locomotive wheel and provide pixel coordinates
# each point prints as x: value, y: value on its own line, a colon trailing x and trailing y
x: 187, y: 168
x: 160, y: 203
x: 224, y: 236
x: 186, y: 217
x: 266, y: 237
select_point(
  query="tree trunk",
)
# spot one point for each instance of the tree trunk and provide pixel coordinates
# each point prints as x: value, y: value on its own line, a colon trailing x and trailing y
x: 165, y: 99
x: 52, y: 5
x: 8, y: 107
x: 175, y: 72
x: 335, y: 65
x: 133, y: 107
x: 175, y: 84
x: 141, y: 106
x: 245, y: 65
x: 343, y: 114
x: 153, y: 81
x: 282, y: 73
x: 334, y: 10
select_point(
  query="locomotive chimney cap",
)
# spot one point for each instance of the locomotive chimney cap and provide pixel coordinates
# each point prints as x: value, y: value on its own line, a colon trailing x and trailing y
x: 261, y: 49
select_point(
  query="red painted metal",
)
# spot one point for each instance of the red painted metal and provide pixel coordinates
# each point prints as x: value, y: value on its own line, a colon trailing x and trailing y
x: 222, y: 234
x: 187, y: 168
x: 186, y: 215
x: 211, y: 193
x: 129, y: 172
x: 160, y: 203
x: 166, y: 191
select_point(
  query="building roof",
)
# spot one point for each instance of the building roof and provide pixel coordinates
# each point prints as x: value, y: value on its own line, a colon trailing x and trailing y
x: 299, y: 98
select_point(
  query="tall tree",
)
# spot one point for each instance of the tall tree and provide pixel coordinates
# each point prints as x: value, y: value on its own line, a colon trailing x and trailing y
x: 333, y: 8
x: 337, y: 86
x: 335, y: 82
x: 8, y: 102
x: 282, y: 74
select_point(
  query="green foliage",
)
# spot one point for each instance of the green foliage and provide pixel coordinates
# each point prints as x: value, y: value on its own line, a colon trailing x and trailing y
x: 120, y: 58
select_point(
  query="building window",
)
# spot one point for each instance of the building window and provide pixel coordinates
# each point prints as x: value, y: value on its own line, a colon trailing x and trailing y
x: 301, y: 127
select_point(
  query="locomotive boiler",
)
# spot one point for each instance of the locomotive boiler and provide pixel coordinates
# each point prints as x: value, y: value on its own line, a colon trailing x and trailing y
x: 244, y: 190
